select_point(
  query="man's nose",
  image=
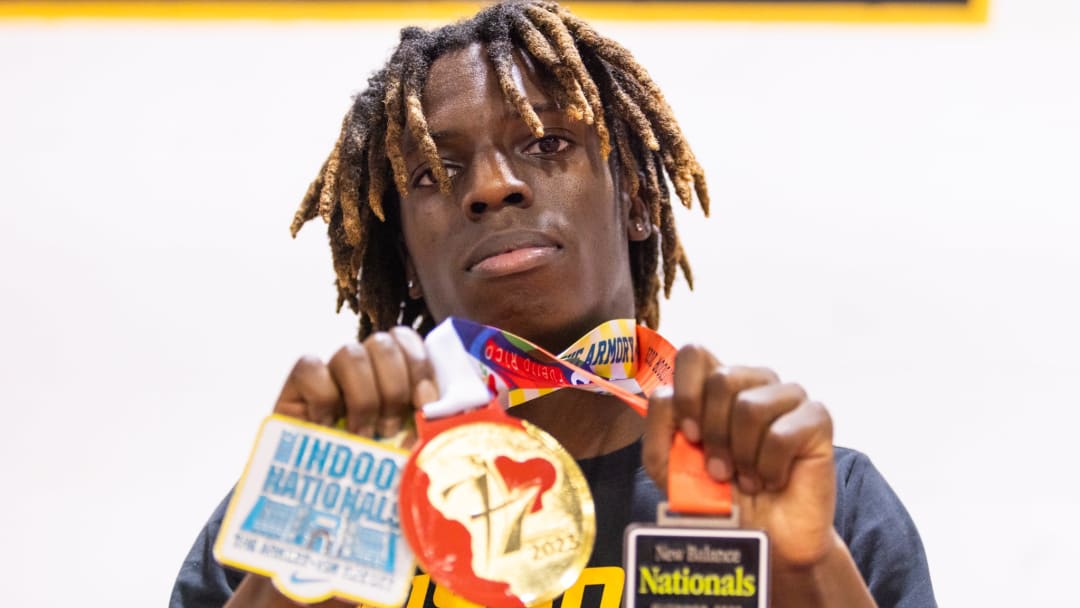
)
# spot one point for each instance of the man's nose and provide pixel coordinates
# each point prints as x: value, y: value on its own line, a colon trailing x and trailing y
x: 493, y: 185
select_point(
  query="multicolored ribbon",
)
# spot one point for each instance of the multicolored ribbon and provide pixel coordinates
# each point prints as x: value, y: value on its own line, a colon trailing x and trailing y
x: 618, y: 357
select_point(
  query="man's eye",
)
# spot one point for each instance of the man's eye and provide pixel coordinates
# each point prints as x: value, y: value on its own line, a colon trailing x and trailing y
x: 549, y: 144
x: 427, y: 178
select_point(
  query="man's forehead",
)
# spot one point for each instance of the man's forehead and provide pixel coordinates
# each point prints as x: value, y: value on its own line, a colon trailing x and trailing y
x: 456, y: 74
x: 451, y: 68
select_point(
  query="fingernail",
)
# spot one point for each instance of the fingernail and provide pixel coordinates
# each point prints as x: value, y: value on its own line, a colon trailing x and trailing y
x: 388, y: 427
x: 718, y: 469
x: 749, y: 484
x: 691, y: 431
x: 424, y: 393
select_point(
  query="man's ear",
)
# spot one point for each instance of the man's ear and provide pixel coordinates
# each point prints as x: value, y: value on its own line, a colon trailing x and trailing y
x: 638, y: 224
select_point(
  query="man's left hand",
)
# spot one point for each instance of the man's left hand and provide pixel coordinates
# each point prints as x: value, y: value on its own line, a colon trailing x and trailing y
x: 765, y: 436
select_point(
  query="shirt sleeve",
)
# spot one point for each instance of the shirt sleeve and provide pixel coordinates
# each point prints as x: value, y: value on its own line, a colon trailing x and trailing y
x: 202, y: 582
x: 880, y: 535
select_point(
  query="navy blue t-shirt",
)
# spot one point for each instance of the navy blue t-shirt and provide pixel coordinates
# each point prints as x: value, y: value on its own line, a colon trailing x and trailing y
x: 869, y: 517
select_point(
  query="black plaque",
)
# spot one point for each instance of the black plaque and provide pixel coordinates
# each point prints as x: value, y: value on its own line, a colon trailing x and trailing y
x: 668, y: 567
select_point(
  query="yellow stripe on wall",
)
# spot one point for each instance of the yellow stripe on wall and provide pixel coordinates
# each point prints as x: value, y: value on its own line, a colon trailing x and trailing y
x: 975, y: 11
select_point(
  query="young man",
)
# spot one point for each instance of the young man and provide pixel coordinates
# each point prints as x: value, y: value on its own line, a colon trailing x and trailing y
x: 510, y: 170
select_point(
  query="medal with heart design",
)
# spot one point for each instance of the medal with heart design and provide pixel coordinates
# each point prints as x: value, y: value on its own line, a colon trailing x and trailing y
x: 496, y: 509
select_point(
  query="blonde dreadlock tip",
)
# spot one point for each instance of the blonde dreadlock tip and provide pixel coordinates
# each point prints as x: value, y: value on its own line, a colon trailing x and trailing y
x: 687, y: 273
x: 378, y: 211
x: 296, y: 225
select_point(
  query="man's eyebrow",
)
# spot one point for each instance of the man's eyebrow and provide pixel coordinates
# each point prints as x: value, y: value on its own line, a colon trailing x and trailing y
x: 542, y: 107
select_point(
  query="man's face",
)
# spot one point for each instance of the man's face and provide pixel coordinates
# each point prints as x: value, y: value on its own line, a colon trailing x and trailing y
x: 533, y: 238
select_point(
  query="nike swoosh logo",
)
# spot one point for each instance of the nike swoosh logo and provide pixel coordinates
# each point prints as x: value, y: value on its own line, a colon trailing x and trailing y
x: 296, y: 579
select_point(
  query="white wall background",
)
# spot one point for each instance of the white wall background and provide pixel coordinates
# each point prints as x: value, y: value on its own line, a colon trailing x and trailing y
x: 896, y: 211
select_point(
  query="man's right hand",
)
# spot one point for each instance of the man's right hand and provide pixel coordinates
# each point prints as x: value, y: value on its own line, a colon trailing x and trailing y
x: 375, y: 386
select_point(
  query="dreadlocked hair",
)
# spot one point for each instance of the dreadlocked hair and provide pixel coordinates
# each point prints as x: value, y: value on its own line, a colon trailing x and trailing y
x: 591, y: 78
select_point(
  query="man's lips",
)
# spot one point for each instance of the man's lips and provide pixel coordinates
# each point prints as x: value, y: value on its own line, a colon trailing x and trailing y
x: 517, y: 260
x: 511, y: 252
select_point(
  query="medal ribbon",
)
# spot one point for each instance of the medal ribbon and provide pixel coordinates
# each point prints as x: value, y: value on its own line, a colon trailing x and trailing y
x: 476, y: 364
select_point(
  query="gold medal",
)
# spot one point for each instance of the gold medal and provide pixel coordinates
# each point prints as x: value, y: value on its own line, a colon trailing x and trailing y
x: 496, y: 510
